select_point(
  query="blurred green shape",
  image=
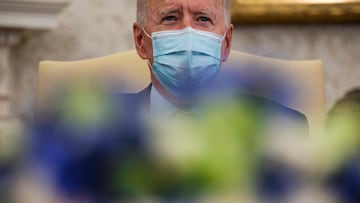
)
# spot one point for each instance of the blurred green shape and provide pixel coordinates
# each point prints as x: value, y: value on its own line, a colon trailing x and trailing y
x: 86, y: 105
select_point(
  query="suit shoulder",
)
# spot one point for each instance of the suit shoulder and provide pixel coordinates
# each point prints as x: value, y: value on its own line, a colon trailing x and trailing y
x: 277, y: 114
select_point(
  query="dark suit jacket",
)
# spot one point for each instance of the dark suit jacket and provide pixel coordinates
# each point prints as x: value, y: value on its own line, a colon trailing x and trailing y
x: 275, y: 118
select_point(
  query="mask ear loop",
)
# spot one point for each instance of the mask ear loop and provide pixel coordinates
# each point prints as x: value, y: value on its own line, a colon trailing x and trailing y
x: 222, y: 39
x: 147, y: 34
x: 224, y: 36
x: 148, y: 62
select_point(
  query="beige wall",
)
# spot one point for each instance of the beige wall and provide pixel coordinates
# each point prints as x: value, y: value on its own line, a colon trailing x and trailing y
x: 337, y: 45
x: 90, y: 28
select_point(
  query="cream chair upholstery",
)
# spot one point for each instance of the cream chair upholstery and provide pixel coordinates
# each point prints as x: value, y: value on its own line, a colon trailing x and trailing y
x: 131, y: 72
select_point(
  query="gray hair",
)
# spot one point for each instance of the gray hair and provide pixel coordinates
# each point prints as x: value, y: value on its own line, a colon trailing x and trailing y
x: 141, y: 11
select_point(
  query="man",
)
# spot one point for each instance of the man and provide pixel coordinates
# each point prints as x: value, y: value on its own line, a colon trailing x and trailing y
x: 185, y: 43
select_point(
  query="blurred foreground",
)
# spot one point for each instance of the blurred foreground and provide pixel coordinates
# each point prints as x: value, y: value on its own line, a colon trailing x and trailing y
x: 91, y: 147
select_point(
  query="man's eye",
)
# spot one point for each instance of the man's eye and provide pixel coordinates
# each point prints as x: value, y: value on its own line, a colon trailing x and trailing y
x: 203, y: 19
x: 170, y: 18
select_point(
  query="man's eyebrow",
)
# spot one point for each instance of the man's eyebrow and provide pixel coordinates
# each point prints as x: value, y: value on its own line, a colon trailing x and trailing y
x: 166, y: 11
x: 206, y: 12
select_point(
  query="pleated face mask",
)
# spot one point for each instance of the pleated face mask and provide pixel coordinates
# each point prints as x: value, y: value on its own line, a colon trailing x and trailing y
x: 185, y: 60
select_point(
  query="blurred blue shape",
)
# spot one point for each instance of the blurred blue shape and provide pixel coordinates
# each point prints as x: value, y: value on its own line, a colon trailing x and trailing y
x: 258, y: 82
x: 276, y: 181
x: 346, y: 181
x: 81, y: 159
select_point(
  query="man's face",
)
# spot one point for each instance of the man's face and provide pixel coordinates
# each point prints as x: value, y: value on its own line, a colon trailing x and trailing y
x: 206, y: 15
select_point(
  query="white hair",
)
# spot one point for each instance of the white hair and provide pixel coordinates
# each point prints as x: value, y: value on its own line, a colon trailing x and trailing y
x: 141, y: 12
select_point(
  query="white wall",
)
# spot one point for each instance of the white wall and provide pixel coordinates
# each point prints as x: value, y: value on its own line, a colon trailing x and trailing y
x: 90, y: 28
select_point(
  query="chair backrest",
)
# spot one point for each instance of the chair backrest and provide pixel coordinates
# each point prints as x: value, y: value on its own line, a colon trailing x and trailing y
x: 303, y: 80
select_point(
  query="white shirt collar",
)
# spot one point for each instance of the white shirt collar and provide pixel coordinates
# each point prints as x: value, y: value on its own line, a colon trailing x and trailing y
x: 159, y: 106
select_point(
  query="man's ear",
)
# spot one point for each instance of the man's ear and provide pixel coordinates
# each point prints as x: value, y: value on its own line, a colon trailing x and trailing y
x: 227, y: 43
x: 139, y: 38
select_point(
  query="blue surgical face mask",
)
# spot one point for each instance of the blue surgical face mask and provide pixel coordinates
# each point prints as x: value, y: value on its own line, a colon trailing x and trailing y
x: 185, y: 60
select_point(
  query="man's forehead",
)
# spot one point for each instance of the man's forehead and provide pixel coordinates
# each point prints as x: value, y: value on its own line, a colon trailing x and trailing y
x: 196, y: 5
